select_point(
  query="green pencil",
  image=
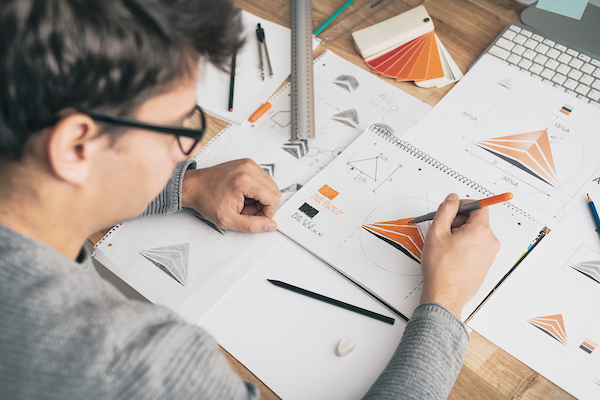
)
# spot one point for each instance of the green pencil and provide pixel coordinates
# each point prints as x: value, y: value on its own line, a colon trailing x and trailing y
x: 335, y: 14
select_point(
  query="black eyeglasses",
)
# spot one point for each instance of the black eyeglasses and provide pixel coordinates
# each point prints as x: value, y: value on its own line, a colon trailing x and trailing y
x: 193, y: 127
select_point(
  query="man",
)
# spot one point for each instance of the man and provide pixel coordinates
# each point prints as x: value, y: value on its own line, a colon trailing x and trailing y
x: 94, y: 99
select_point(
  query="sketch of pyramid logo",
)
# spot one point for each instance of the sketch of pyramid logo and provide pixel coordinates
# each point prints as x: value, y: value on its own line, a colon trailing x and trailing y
x: 268, y: 168
x: 367, y: 166
x: 348, y: 117
x: 527, y: 151
x: 552, y: 325
x: 172, y: 260
x: 346, y: 82
x: 590, y: 269
x: 297, y: 148
x: 408, y: 238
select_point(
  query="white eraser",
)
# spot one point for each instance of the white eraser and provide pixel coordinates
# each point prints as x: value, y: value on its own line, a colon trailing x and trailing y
x: 345, y: 347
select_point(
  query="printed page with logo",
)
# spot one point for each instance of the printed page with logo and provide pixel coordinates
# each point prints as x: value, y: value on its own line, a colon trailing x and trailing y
x: 498, y: 130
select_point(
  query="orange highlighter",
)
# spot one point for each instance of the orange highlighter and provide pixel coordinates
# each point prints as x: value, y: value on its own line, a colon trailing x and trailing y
x: 258, y: 113
x: 470, y: 206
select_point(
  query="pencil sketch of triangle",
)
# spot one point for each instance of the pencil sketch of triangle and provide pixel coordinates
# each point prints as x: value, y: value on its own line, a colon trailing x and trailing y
x: 371, y: 166
x: 552, y: 325
x: 408, y: 238
x: 589, y: 269
x: 172, y: 260
x: 528, y: 151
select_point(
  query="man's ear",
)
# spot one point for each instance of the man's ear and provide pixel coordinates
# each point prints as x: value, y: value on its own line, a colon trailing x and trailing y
x: 70, y: 147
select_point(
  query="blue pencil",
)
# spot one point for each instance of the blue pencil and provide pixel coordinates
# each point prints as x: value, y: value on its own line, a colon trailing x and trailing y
x: 594, y: 212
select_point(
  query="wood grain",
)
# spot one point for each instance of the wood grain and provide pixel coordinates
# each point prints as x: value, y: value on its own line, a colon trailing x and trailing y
x: 466, y: 27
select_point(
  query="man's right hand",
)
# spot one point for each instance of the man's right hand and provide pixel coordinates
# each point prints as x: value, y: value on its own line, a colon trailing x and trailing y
x: 457, y: 255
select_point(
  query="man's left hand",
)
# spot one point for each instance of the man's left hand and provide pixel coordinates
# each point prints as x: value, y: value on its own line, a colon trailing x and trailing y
x: 237, y: 195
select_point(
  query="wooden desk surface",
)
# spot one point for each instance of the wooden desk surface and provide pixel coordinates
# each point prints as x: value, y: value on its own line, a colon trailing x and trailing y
x: 466, y: 27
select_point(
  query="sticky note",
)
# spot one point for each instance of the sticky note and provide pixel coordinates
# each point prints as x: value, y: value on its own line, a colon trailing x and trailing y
x: 572, y: 8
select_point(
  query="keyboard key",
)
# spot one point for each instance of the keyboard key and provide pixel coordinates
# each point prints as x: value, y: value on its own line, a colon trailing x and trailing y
x: 531, y: 44
x: 596, y: 84
x: 542, y: 48
x: 582, y: 98
x: 509, y: 34
x: 518, y: 49
x: 525, y: 32
x: 552, y: 64
x: 586, y: 80
x: 570, y: 84
x: 597, y: 105
x: 597, y: 73
x: 572, y: 93
x: 594, y: 94
x: 530, y: 55
x: 520, y: 39
x: 576, y: 63
x: 572, y: 52
x: 582, y: 89
x: 564, y: 58
x: 560, y: 47
x: 537, y: 37
x: 536, y: 68
x: 500, y: 53
x: 540, y: 59
x: 584, y: 58
x: 548, y: 81
x: 562, y: 89
x: 549, y: 42
x: 553, y: 53
x: 588, y: 68
x: 513, y: 58
x: 574, y: 74
x: 505, y: 44
x: 547, y: 73
x: 525, y: 64
x: 595, y: 62
x: 563, y: 69
x: 559, y: 79
x: 514, y: 28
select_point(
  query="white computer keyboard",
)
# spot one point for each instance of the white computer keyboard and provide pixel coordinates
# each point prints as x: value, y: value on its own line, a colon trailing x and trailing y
x: 561, y: 65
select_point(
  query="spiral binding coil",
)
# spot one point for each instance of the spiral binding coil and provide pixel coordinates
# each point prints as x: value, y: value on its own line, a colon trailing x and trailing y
x: 421, y: 155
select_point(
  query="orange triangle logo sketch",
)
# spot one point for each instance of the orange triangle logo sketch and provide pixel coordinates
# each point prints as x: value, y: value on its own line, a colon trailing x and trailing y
x: 527, y: 151
x: 408, y: 238
x: 552, y: 325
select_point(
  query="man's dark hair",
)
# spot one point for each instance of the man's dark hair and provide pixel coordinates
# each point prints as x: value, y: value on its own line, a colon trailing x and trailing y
x: 99, y: 56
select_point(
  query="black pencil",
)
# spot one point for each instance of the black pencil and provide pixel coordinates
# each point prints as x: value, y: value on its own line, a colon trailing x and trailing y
x: 232, y: 80
x: 334, y: 302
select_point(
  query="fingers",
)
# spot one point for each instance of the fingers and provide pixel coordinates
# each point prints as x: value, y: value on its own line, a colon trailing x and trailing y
x: 446, y: 213
x: 266, y: 196
x: 251, y: 223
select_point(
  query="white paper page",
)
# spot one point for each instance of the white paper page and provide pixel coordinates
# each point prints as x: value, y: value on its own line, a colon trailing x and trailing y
x: 338, y: 216
x: 218, y: 262
x: 287, y: 339
x: 548, y: 284
x: 250, y: 91
x: 469, y: 127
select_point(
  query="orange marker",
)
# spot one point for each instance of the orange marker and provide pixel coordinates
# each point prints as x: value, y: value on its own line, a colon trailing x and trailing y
x: 470, y: 206
x: 263, y: 109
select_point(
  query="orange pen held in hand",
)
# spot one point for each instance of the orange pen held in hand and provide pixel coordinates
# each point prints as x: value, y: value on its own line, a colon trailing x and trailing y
x: 470, y: 206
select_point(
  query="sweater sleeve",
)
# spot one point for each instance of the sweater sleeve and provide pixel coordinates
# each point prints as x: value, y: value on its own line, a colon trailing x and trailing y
x: 169, y: 200
x: 428, y: 359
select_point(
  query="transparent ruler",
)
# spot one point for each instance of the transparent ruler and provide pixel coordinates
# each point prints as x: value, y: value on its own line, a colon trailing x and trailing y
x: 303, y: 101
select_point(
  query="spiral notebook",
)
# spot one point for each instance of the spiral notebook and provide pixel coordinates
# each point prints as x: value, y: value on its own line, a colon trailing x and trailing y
x: 354, y: 216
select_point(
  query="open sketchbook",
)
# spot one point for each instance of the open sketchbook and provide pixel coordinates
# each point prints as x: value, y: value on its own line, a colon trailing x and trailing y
x: 355, y: 213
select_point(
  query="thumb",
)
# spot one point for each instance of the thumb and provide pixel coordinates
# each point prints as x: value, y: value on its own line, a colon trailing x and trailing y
x: 446, y: 213
x: 252, y: 223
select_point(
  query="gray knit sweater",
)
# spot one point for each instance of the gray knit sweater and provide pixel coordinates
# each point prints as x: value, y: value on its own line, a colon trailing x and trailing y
x: 65, y: 333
